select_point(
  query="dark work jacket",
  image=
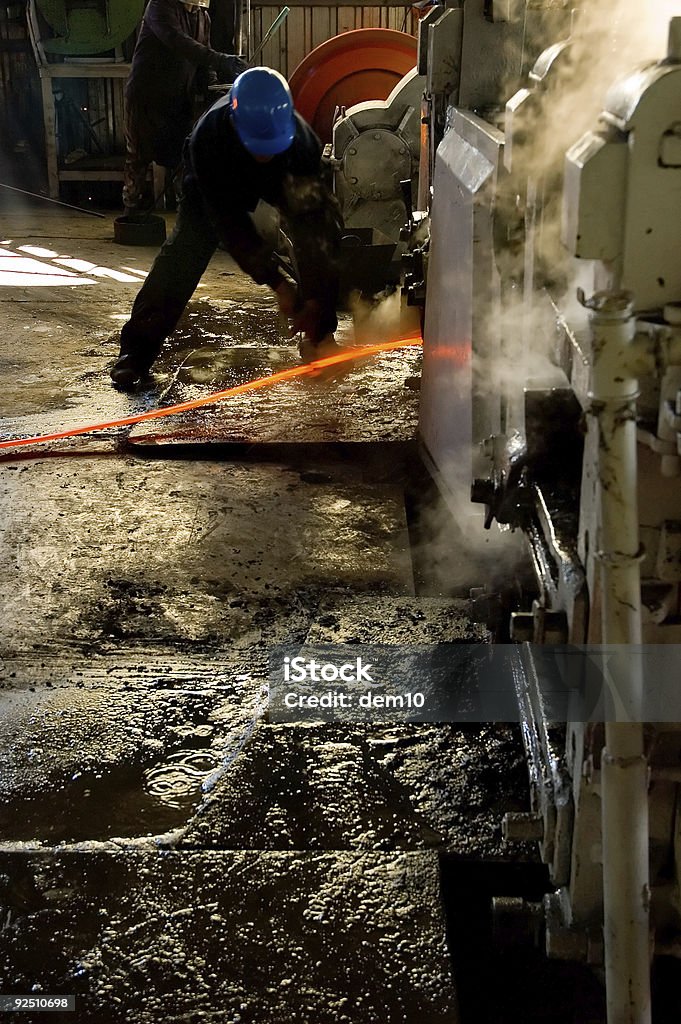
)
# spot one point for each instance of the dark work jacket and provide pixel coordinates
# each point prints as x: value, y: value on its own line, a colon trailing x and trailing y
x: 173, y: 43
x: 230, y: 182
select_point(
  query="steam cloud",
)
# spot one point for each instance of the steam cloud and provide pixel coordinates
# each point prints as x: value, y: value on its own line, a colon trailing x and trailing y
x: 609, y: 39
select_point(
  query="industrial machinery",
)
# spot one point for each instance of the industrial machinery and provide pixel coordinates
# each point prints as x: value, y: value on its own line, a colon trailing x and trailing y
x: 375, y: 150
x: 78, y: 51
x: 84, y: 27
x: 362, y: 94
x: 551, y: 293
x: 364, y: 64
x: 375, y: 156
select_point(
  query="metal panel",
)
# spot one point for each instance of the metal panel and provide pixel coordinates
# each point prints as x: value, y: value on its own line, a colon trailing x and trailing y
x: 593, y: 197
x: 461, y: 299
x: 87, y: 30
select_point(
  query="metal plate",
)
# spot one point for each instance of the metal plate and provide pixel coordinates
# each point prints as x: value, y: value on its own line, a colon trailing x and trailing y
x: 375, y: 164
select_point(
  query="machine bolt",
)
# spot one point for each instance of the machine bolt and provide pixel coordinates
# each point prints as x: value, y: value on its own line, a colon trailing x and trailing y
x: 549, y: 627
x: 672, y: 312
x: 563, y: 942
x: 522, y: 627
x: 522, y: 827
x: 352, y: 152
x: 514, y: 921
x: 353, y: 181
x: 482, y: 491
x: 377, y: 135
x: 588, y: 769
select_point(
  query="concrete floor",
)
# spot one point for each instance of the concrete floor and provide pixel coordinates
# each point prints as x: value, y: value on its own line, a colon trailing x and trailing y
x: 166, y: 853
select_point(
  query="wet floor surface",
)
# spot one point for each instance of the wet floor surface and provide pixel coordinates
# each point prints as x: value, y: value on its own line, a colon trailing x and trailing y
x: 164, y: 848
x: 233, y: 937
x: 368, y: 400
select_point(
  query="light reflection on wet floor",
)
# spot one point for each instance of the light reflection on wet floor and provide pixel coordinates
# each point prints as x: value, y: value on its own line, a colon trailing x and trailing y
x: 175, y: 783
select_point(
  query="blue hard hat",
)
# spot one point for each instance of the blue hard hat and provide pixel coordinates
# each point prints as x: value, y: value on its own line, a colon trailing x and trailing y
x: 262, y: 111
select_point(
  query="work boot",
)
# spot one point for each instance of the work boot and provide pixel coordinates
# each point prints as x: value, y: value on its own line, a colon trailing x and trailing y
x: 328, y: 346
x: 127, y: 371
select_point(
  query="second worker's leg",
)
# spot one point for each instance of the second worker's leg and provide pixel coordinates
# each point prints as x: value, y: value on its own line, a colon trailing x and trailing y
x: 138, y: 157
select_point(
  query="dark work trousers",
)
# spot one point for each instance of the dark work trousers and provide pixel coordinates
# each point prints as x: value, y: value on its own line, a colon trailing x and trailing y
x: 171, y: 282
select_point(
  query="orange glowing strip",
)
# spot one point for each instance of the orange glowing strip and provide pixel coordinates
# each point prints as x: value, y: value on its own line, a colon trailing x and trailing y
x: 304, y: 370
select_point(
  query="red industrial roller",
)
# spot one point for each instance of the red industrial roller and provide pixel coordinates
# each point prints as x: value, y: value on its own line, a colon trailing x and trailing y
x: 365, y: 64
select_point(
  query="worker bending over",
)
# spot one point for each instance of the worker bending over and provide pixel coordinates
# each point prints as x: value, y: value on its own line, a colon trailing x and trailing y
x: 172, y: 64
x: 250, y: 145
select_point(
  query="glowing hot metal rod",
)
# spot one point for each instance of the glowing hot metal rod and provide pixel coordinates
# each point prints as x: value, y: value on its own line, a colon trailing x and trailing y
x: 305, y: 370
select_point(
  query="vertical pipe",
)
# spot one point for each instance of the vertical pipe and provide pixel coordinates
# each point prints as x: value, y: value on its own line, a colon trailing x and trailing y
x: 624, y: 777
x: 50, y: 130
x: 247, y: 21
x: 242, y: 12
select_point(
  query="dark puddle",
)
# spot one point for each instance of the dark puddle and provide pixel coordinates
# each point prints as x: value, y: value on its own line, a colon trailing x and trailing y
x: 128, y: 801
x: 231, y: 323
x: 237, y: 364
x: 116, y: 805
x: 134, y: 798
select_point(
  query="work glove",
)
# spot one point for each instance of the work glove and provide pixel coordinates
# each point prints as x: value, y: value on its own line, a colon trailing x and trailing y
x: 306, y: 317
x: 287, y: 297
x: 303, y: 316
x: 228, y: 66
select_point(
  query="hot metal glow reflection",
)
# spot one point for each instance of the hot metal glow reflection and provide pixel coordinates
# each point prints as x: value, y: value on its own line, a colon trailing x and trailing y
x: 304, y: 370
